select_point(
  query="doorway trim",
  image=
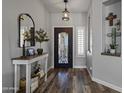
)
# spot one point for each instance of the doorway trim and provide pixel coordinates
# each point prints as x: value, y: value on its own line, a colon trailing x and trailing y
x: 53, y: 43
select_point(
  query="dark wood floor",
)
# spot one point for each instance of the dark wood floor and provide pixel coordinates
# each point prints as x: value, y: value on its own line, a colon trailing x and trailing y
x: 71, y: 81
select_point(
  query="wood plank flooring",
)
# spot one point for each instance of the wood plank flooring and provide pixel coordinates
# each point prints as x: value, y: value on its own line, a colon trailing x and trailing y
x: 71, y: 81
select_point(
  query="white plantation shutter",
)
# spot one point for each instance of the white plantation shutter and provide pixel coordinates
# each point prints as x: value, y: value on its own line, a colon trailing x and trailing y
x: 80, y: 41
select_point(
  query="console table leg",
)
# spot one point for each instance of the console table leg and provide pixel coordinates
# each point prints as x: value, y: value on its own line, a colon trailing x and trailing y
x: 15, y: 85
x: 28, y: 78
x: 46, y: 68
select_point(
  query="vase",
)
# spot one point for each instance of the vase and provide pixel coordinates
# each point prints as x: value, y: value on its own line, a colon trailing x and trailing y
x: 112, y: 51
x: 40, y: 51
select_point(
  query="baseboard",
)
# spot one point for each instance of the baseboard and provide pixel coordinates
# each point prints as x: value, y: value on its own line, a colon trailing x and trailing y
x: 104, y: 83
x: 73, y: 67
x: 79, y: 67
x: 107, y: 84
x: 89, y: 72
x: 50, y: 68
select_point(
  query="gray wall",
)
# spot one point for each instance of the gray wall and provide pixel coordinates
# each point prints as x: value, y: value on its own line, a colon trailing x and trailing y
x: 11, y: 10
x: 105, y: 68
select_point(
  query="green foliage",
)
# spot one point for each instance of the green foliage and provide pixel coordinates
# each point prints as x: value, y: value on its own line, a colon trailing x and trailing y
x: 41, y: 36
x: 112, y: 46
x: 27, y: 35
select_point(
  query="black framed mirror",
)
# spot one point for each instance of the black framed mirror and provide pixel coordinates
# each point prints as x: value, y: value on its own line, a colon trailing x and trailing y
x: 26, y: 30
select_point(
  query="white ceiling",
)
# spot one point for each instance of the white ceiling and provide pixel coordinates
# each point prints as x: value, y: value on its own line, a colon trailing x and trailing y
x: 76, y: 6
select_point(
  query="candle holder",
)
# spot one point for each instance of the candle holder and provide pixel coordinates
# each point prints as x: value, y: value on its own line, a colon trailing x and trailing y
x: 23, y: 49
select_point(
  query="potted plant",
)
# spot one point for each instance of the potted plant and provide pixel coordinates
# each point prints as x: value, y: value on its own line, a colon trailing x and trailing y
x: 112, y: 48
x: 41, y: 36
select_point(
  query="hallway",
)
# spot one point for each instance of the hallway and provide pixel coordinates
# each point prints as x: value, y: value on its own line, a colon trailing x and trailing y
x: 49, y: 36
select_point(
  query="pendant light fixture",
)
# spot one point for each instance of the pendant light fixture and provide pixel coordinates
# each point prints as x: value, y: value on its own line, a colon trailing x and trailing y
x: 65, y: 12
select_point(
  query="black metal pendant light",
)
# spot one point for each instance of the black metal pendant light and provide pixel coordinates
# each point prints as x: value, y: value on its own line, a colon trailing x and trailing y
x: 65, y: 12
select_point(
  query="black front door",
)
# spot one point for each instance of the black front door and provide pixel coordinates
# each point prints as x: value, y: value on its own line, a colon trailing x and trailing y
x: 63, y: 47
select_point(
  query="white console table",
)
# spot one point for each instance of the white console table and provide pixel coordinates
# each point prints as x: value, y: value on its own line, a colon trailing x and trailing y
x: 27, y: 61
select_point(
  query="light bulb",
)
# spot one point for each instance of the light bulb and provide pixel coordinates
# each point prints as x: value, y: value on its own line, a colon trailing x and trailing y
x: 65, y: 15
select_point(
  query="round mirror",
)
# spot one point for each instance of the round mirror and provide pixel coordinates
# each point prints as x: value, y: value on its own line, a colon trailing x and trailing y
x: 26, y: 30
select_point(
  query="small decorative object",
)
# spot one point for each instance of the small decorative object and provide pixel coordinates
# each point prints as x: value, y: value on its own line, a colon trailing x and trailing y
x: 41, y: 36
x: 41, y: 73
x: 38, y: 68
x: 23, y: 49
x: 112, y: 50
x: 108, y: 50
x: 111, y: 17
x: 34, y: 84
x: 30, y: 52
x: 22, y: 83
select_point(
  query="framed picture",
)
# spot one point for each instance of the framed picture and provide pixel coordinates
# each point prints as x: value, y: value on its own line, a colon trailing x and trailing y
x: 30, y: 52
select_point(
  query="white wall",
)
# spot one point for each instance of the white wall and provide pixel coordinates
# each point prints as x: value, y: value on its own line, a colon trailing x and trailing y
x: 89, y: 53
x: 76, y: 19
x: 11, y: 10
x: 106, y: 69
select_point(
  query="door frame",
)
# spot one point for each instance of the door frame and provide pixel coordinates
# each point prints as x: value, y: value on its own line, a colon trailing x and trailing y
x: 53, y: 43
